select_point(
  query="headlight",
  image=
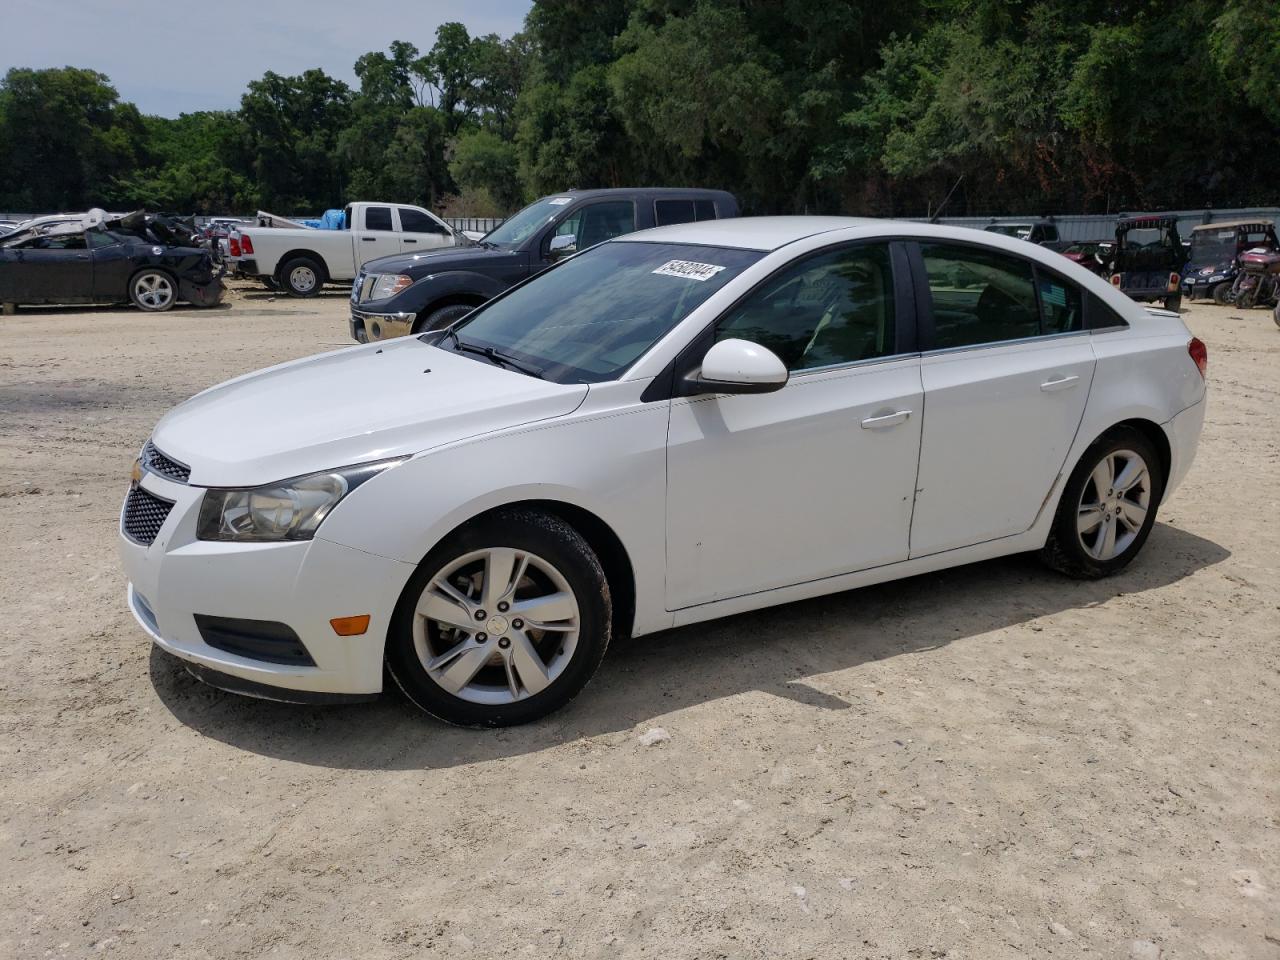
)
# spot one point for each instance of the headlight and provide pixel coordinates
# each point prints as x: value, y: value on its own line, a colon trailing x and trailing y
x: 388, y: 285
x: 291, y: 510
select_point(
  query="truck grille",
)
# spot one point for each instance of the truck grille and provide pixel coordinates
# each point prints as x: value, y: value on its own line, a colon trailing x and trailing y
x: 144, y: 515
x: 157, y: 462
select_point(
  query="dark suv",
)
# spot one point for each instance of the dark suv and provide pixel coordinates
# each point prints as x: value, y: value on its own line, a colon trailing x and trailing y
x: 414, y: 292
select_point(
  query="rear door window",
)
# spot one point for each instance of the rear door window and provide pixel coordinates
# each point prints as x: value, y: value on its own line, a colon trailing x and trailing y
x: 377, y: 218
x: 667, y: 212
x: 704, y: 209
x: 979, y: 296
x: 1061, y: 305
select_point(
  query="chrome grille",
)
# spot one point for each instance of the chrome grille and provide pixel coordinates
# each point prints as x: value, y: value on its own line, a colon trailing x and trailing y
x: 144, y: 515
x: 157, y: 462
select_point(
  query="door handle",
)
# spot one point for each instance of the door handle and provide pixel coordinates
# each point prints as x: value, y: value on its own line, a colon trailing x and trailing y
x: 1059, y: 383
x: 883, y: 420
x: 407, y: 240
x: 369, y: 239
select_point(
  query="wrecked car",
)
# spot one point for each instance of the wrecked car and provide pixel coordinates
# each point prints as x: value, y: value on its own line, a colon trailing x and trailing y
x: 150, y: 260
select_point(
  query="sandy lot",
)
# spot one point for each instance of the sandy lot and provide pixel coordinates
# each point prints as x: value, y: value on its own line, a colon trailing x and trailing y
x: 985, y: 763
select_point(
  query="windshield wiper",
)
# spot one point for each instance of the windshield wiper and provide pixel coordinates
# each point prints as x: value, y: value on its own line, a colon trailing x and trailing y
x: 494, y: 356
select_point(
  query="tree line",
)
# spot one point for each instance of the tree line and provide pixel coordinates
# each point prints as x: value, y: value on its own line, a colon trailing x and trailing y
x: 860, y: 108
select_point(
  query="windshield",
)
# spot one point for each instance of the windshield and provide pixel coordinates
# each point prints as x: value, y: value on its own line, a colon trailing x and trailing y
x: 590, y: 318
x: 1019, y: 230
x: 1213, y: 245
x: 520, y: 226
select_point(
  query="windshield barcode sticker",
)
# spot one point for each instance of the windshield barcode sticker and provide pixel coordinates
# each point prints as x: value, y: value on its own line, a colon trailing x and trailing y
x: 560, y: 201
x: 689, y: 269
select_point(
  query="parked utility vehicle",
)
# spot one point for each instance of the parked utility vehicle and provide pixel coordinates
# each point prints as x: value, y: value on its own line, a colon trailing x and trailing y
x: 300, y: 260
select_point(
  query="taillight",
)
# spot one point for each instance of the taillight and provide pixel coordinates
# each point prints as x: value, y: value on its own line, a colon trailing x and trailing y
x: 1115, y: 280
x: 246, y: 244
x: 233, y: 245
x: 1199, y: 355
x: 1173, y: 282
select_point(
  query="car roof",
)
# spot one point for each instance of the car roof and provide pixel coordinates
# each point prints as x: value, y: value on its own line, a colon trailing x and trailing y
x: 655, y: 193
x: 749, y: 233
x: 1233, y: 224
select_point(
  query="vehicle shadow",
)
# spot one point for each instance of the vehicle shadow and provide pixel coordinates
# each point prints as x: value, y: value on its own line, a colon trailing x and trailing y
x: 82, y: 308
x: 263, y: 294
x: 770, y: 651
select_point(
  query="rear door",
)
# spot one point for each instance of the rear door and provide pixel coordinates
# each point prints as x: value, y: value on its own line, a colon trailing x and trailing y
x: 377, y: 236
x: 1006, y: 372
x: 421, y: 231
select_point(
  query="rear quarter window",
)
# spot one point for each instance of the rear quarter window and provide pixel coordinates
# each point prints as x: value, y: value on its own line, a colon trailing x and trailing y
x: 667, y: 212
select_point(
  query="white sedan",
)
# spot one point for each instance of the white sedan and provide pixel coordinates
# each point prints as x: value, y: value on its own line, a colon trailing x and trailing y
x: 675, y: 425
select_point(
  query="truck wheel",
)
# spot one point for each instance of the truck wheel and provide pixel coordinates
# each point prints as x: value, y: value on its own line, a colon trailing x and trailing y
x: 1173, y: 302
x: 301, y: 277
x: 153, y: 291
x: 1222, y: 294
x: 441, y: 318
x: 1275, y: 315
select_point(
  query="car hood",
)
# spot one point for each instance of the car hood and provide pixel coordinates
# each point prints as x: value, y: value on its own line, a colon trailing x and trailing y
x: 352, y: 406
x: 418, y: 265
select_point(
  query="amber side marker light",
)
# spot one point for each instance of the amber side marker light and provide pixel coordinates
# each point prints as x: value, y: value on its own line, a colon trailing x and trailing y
x: 350, y: 626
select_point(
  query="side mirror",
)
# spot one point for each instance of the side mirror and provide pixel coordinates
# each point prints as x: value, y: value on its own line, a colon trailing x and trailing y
x: 737, y: 366
x: 562, y: 246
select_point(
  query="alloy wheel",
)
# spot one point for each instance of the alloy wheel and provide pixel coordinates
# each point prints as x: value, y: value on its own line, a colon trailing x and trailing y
x: 1113, y: 505
x: 496, y: 626
x: 154, y: 290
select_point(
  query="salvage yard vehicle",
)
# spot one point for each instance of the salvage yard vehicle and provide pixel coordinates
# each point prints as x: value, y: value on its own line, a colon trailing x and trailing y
x: 1258, y: 283
x: 396, y: 296
x: 1146, y: 260
x: 153, y: 261
x: 300, y: 260
x: 675, y: 425
x: 1213, y: 265
x: 1043, y: 233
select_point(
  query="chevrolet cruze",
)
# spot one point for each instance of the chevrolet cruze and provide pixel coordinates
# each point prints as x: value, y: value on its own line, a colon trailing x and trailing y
x: 672, y: 426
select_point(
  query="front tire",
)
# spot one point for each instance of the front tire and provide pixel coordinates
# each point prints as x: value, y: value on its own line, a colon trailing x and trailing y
x: 1222, y: 294
x: 503, y: 623
x: 301, y: 277
x: 153, y: 291
x: 443, y: 317
x: 1108, y: 507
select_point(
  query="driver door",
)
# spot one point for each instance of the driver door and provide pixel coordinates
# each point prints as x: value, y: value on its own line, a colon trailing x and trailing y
x: 816, y: 479
x: 53, y: 269
x: 586, y: 226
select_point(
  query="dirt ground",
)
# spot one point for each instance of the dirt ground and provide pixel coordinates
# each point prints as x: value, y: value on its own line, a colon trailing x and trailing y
x: 989, y: 762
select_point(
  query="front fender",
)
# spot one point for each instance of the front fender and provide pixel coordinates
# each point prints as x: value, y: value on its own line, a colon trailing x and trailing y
x: 435, y: 287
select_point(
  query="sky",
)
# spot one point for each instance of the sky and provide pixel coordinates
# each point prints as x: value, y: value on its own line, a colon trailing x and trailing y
x: 171, y: 57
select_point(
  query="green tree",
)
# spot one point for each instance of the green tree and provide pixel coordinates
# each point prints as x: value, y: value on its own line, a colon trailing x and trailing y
x: 64, y: 138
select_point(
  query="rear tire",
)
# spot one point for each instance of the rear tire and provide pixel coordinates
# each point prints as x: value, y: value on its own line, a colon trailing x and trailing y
x: 153, y: 290
x: 1106, y: 513
x: 462, y: 644
x: 301, y: 277
x: 443, y: 317
x: 1173, y: 302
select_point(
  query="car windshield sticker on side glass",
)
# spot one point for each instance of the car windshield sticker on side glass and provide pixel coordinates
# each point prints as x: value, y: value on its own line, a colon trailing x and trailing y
x: 688, y: 269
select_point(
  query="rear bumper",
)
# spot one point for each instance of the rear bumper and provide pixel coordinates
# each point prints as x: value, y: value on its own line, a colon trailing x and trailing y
x: 1183, y: 432
x: 367, y: 326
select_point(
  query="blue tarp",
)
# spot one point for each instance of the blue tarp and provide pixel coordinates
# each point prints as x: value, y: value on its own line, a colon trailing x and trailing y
x: 331, y: 220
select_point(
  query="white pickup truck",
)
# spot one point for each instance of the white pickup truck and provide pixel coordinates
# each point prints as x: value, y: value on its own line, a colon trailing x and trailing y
x: 300, y: 259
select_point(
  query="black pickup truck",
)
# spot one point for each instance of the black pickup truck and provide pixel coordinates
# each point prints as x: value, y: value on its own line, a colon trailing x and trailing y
x: 414, y: 292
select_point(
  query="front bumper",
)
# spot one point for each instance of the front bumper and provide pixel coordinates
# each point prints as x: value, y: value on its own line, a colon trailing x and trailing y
x: 367, y: 326
x: 301, y: 584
